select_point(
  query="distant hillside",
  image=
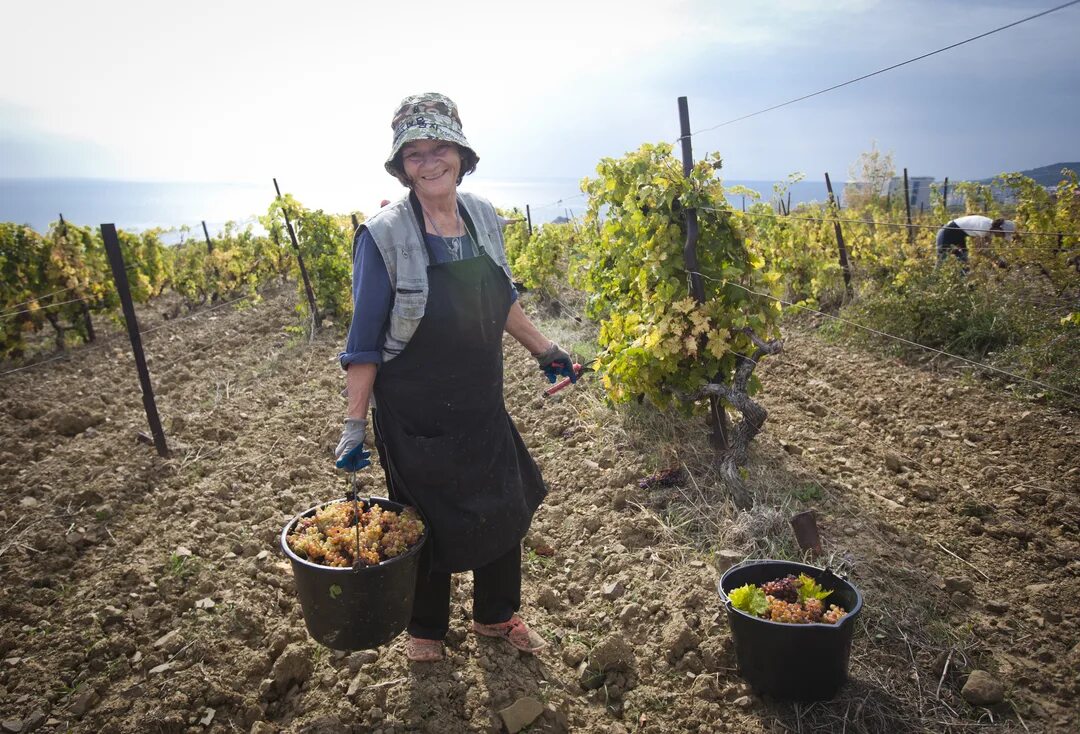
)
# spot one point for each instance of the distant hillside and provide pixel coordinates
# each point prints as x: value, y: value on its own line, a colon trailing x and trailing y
x: 1046, y: 175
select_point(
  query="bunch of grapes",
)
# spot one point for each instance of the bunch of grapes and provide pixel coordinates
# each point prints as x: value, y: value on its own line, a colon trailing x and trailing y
x: 785, y: 589
x: 789, y: 612
x: 330, y: 537
x: 783, y: 596
x: 834, y: 615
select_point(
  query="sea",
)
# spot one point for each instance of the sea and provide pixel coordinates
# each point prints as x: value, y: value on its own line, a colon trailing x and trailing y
x: 171, y: 205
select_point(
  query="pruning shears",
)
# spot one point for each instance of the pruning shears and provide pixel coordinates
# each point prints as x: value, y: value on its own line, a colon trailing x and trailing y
x: 578, y: 370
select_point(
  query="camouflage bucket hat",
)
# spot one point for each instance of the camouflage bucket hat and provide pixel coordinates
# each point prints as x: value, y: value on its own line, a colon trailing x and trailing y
x: 428, y: 116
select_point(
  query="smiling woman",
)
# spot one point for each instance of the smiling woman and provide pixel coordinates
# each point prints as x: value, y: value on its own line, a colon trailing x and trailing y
x: 432, y: 297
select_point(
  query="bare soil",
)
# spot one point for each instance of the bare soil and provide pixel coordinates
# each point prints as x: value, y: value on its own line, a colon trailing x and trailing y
x: 144, y: 594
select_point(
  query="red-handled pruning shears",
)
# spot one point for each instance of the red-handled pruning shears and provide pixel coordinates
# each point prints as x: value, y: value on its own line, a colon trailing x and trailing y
x: 578, y: 370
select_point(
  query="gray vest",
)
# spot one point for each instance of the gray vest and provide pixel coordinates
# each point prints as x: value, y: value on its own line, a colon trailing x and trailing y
x: 397, y: 235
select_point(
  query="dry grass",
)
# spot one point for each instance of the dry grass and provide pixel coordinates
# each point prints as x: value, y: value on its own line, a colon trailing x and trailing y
x: 907, y: 663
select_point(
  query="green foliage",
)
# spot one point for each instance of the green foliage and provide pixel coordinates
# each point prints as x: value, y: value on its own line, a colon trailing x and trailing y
x: 182, y: 567
x: 939, y: 308
x: 240, y: 263
x: 654, y: 337
x: 326, y: 245
x: 515, y: 235
x: 1013, y: 309
x: 541, y: 262
x: 750, y: 599
x: 807, y: 493
x: 810, y: 589
x: 58, y: 279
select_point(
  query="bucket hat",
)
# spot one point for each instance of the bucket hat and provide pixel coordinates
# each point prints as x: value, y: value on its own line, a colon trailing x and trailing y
x: 428, y: 116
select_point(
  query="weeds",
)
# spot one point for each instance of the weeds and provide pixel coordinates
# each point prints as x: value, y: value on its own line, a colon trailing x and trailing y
x: 182, y: 567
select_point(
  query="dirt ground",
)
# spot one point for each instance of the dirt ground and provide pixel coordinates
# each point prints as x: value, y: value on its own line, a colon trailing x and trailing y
x: 149, y: 595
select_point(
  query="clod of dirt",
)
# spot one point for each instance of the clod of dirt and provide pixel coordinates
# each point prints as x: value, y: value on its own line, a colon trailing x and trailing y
x: 573, y: 654
x: 613, y: 590
x: 73, y: 421
x: 725, y: 559
x: 294, y: 666
x: 982, y: 689
x: 924, y: 492
x: 678, y: 638
x: 629, y: 613
x: 959, y: 583
x: 588, y: 677
x: 83, y: 702
x: 521, y: 713
x: 611, y: 653
x: 549, y: 599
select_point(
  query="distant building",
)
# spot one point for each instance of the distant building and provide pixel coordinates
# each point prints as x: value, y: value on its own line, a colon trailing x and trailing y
x: 919, y: 187
x: 894, y: 190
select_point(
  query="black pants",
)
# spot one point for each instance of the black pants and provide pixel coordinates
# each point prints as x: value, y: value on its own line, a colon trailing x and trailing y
x: 496, y: 595
x: 951, y: 240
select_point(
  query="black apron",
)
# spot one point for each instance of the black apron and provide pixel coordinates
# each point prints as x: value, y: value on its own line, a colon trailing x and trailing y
x: 445, y: 440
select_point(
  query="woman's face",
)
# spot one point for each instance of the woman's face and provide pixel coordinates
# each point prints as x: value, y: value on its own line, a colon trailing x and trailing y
x: 433, y: 166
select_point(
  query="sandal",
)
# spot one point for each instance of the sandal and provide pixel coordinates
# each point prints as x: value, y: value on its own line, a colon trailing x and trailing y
x: 419, y: 650
x: 514, y: 631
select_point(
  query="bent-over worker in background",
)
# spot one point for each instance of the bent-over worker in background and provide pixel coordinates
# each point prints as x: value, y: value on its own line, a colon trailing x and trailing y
x: 432, y: 297
x: 952, y: 238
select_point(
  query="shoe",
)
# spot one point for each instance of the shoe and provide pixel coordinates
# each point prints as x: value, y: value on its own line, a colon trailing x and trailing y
x: 419, y: 650
x: 514, y: 631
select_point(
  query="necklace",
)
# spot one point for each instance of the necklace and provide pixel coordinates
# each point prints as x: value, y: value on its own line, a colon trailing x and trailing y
x: 453, y: 244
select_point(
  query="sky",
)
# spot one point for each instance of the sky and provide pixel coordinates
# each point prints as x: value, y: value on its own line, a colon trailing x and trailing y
x: 241, y: 91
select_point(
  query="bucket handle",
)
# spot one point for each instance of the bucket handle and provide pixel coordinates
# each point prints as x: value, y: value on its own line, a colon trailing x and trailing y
x: 724, y: 596
x: 353, y: 493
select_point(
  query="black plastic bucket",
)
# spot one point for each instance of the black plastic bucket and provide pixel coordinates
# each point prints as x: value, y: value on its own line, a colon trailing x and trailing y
x: 796, y: 662
x: 355, y: 609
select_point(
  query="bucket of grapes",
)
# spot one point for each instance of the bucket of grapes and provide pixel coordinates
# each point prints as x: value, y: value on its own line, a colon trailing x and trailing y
x: 792, y: 626
x: 355, y: 563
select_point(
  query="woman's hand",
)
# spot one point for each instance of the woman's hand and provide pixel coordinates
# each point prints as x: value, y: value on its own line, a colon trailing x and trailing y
x: 350, y: 453
x: 555, y: 362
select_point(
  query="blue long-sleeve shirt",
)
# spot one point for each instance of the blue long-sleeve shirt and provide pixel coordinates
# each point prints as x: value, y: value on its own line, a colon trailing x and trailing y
x: 373, y: 296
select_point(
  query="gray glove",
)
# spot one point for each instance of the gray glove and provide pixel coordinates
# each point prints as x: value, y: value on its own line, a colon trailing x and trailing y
x: 350, y: 453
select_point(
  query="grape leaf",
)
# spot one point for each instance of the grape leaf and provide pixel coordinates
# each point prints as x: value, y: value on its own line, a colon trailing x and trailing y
x: 750, y: 599
x: 810, y: 589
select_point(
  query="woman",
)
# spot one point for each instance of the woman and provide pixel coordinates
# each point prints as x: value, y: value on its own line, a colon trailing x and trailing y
x: 432, y: 296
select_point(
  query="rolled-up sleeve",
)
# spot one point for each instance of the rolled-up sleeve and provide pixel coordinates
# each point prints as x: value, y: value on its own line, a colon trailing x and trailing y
x: 372, y: 300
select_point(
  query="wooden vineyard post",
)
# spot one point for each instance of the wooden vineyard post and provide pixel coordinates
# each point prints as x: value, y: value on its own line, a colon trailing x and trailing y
x: 528, y: 219
x: 116, y: 262
x: 209, y: 243
x: 300, y: 259
x: 213, y: 268
x: 845, y: 266
x: 690, y: 249
x: 721, y: 427
x: 945, y: 197
x: 907, y: 207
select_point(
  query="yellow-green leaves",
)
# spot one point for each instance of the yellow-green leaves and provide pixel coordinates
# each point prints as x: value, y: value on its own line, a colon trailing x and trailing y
x: 750, y: 599
x: 810, y: 589
x: 655, y: 338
